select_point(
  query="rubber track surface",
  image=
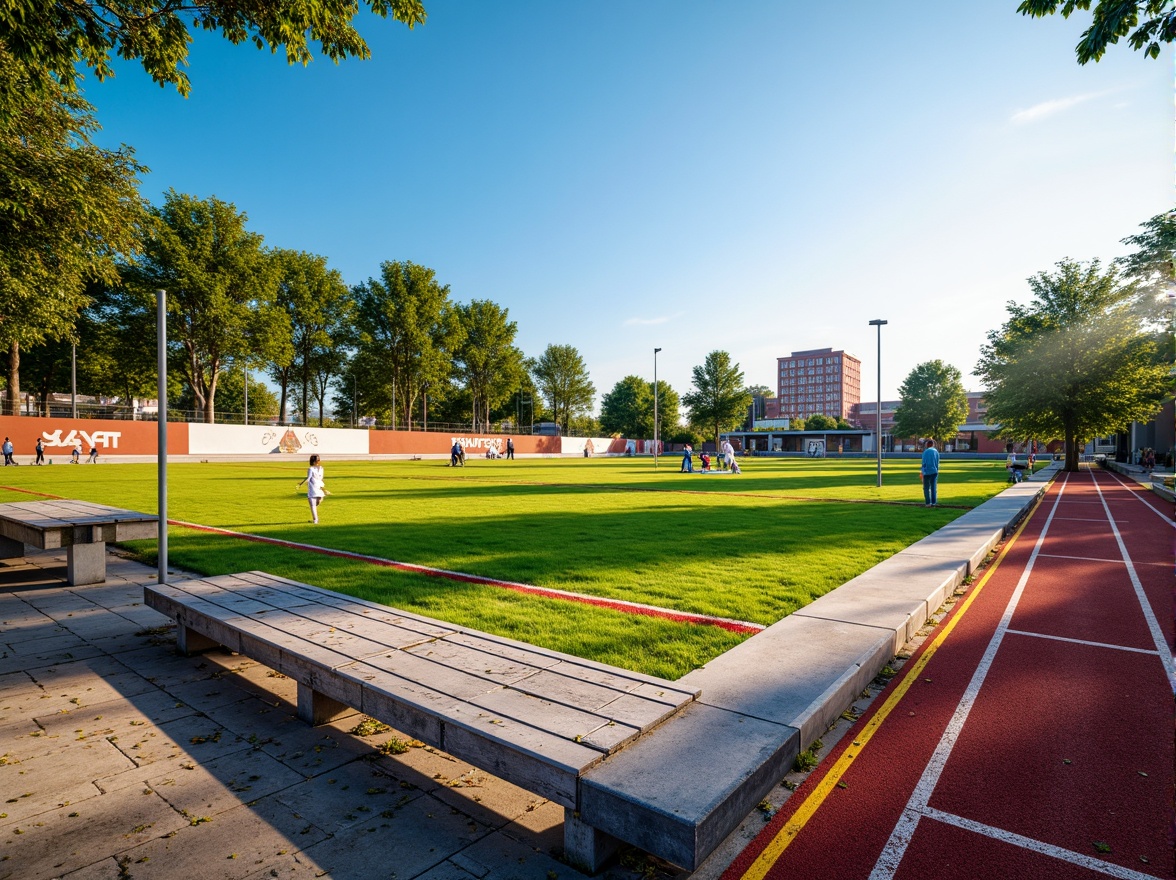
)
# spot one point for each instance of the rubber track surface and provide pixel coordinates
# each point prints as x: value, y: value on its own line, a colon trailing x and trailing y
x: 1031, y: 736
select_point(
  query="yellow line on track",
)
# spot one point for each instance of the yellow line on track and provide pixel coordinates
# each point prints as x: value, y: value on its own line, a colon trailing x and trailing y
x: 775, y: 848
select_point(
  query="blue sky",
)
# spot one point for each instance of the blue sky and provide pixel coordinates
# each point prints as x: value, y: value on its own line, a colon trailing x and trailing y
x: 758, y: 177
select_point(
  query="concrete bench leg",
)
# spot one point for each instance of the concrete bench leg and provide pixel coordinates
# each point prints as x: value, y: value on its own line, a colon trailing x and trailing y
x: 189, y: 642
x: 10, y: 549
x: 586, y: 847
x: 315, y: 708
x: 86, y: 563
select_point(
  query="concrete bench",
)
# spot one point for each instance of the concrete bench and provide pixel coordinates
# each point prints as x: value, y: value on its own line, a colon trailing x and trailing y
x: 81, y: 527
x: 536, y: 718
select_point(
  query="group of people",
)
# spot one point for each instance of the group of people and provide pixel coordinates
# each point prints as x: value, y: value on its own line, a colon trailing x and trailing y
x: 1147, y: 459
x: 75, y: 456
x: 728, y: 459
x: 457, y: 454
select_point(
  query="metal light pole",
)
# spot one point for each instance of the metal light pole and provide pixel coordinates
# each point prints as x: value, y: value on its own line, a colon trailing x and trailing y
x: 877, y: 322
x: 656, y: 434
x: 73, y: 382
x: 162, y: 419
x: 247, y: 394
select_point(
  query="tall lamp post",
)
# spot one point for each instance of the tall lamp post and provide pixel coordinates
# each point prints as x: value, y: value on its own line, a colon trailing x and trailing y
x: 161, y: 418
x: 878, y: 322
x: 656, y: 434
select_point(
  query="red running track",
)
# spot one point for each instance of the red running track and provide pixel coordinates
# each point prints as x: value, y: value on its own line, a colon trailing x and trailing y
x: 1031, y: 736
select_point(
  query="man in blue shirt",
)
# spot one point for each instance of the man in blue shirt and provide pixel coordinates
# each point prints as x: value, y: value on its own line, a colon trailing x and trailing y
x: 930, y: 471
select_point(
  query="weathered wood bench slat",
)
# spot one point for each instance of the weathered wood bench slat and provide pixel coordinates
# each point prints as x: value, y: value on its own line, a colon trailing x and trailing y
x: 536, y: 718
x: 81, y: 527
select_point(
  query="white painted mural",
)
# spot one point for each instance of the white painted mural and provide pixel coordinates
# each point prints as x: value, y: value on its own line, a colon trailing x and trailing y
x: 278, y: 440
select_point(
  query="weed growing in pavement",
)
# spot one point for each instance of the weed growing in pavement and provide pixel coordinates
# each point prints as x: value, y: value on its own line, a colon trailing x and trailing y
x: 369, y: 727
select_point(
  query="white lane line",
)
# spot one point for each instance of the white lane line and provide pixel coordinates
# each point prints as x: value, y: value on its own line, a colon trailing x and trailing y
x: 1138, y: 496
x: 1021, y: 632
x: 1037, y: 846
x: 1149, y: 613
x: 1099, y: 559
x: 1083, y: 519
x: 916, y: 807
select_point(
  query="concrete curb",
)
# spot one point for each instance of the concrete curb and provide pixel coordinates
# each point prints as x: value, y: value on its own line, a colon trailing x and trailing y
x: 681, y: 789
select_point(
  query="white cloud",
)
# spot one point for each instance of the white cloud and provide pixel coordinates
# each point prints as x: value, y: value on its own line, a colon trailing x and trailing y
x: 649, y: 322
x: 1058, y: 105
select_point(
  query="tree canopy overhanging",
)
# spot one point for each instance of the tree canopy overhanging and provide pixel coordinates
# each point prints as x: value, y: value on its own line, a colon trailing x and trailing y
x: 57, y: 36
x: 1114, y: 19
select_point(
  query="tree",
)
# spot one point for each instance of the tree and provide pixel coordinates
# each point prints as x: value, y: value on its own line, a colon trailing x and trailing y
x: 820, y: 422
x: 319, y: 308
x: 486, y: 359
x: 406, y: 324
x: 719, y: 399
x: 230, y: 395
x: 1113, y: 19
x: 1153, y: 266
x: 1074, y: 363
x: 68, y: 210
x: 760, y: 391
x: 627, y: 410
x: 220, y: 287
x: 933, y: 402
x: 562, y: 378
x: 55, y: 37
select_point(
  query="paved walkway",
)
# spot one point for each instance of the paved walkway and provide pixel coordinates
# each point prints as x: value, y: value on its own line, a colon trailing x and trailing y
x: 119, y: 759
x: 1031, y: 736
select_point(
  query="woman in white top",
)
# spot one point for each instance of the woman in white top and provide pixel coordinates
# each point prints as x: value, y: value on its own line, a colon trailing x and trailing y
x: 315, y: 490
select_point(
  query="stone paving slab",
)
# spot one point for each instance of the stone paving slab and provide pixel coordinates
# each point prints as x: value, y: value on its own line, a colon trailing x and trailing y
x: 141, y: 764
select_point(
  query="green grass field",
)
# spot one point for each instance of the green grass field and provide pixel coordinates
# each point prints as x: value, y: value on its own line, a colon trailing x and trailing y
x: 751, y: 547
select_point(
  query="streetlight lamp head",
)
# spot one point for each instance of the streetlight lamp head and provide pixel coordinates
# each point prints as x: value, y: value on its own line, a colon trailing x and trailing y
x: 656, y: 350
x: 877, y: 322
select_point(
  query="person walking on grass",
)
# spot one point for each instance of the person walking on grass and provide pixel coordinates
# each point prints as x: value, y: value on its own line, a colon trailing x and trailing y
x: 510, y: 448
x: 7, y: 449
x: 688, y: 459
x: 929, y: 469
x: 315, y: 490
x: 40, y: 452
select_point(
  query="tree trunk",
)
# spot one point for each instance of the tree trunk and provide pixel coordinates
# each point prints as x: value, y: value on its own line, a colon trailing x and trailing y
x: 285, y: 382
x: 13, y: 408
x: 210, y: 402
x: 1071, y: 450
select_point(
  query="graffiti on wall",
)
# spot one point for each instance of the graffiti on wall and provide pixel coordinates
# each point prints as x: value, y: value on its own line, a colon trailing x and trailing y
x: 92, y: 439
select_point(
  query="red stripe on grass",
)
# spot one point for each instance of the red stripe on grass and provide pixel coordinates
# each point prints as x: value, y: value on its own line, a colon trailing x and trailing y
x: 735, y: 626
x: 31, y: 492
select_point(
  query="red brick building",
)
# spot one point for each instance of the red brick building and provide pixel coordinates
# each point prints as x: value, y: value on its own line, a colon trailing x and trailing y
x: 820, y: 381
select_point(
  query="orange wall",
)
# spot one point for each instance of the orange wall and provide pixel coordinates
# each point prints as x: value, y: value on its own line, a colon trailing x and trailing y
x: 111, y: 437
x: 431, y: 443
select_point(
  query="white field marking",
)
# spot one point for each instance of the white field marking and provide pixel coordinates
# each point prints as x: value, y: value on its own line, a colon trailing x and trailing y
x: 1082, y: 519
x: 1138, y: 496
x: 1037, y: 846
x: 916, y: 807
x: 1021, y: 632
x: 1149, y: 613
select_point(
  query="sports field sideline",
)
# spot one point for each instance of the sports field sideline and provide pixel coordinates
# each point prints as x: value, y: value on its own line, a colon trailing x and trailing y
x: 751, y: 547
